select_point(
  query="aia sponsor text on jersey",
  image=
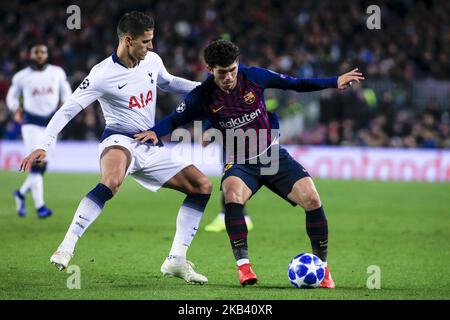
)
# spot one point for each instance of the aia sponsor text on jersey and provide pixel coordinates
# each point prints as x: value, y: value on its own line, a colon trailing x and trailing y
x: 42, y: 91
x: 141, y: 101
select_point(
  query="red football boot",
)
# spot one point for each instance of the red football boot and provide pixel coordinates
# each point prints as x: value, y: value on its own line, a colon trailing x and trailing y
x: 246, y: 275
x: 327, y: 281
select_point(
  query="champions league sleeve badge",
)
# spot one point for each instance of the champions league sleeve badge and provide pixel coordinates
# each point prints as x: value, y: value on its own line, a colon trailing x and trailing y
x: 84, y: 84
x: 181, y: 107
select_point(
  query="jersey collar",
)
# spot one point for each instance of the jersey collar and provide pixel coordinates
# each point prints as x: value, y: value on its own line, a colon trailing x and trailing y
x: 34, y: 67
x: 116, y: 59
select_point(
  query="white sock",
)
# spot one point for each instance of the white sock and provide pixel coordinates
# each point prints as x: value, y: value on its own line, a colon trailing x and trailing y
x: 240, y: 262
x: 188, y: 220
x: 69, y: 242
x: 37, y: 190
x: 27, y: 184
x: 86, y: 213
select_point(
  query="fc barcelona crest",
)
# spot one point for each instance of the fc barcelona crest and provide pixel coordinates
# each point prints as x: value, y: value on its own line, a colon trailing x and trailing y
x: 227, y: 167
x: 249, y: 97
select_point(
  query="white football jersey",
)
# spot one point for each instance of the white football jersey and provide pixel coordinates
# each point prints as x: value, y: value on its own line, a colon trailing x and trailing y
x: 42, y: 90
x: 127, y: 96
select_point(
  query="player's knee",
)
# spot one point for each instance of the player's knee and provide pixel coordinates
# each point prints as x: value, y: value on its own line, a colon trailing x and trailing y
x: 113, y: 184
x: 231, y: 196
x: 202, y: 185
x: 311, y: 201
x: 205, y: 186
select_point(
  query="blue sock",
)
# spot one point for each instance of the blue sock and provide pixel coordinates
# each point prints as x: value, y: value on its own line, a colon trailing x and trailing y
x: 196, y: 201
x: 100, y: 194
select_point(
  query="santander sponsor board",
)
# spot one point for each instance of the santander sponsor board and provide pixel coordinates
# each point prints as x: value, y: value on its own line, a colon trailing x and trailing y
x: 321, y: 162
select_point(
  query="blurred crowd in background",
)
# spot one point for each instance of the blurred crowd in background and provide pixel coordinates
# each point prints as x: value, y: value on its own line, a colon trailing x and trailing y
x: 403, y: 103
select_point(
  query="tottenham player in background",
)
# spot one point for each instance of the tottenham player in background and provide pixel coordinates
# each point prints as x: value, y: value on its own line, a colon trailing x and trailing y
x: 125, y: 84
x: 232, y: 97
x: 43, y: 87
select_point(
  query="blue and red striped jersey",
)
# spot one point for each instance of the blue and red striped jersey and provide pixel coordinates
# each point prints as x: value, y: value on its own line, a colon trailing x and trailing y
x: 242, y: 108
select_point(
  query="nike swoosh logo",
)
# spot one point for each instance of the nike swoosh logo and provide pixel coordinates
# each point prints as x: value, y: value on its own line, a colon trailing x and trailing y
x: 81, y: 217
x: 120, y: 87
x: 217, y: 110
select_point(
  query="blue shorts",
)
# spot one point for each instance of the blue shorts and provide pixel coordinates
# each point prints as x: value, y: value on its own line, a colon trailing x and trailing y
x: 281, y: 183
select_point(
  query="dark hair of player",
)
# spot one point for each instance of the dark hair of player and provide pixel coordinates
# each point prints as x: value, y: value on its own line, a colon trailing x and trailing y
x: 134, y: 23
x: 221, y: 53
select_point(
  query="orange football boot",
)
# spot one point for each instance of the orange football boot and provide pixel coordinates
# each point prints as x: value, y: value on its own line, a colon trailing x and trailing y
x: 327, y: 281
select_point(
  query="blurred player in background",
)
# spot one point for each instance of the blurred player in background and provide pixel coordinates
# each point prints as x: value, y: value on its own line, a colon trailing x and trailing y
x: 232, y: 97
x: 43, y: 87
x: 125, y: 84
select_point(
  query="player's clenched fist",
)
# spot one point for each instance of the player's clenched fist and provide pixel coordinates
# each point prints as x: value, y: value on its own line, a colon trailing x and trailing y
x: 146, y: 136
x: 36, y: 156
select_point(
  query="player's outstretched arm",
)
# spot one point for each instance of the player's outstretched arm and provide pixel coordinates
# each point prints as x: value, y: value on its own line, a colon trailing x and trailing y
x: 269, y: 79
x: 186, y: 112
x: 347, y: 79
x: 37, y: 155
x: 162, y: 128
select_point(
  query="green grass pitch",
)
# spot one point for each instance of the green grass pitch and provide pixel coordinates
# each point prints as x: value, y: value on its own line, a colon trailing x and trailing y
x: 404, y: 228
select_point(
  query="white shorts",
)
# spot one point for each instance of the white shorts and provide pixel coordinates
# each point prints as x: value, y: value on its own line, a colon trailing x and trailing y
x: 151, y: 166
x: 32, y: 135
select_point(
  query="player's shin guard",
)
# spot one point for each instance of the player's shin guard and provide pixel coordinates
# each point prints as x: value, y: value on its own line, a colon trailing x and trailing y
x: 317, y: 230
x: 237, y: 229
x: 188, y: 220
x: 87, y: 212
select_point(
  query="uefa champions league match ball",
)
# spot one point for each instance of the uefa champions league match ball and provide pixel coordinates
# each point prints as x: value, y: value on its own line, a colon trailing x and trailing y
x: 306, y: 271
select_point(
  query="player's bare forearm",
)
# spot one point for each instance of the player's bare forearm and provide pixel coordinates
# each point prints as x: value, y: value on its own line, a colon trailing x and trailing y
x: 145, y: 136
x: 37, y: 155
x: 347, y: 79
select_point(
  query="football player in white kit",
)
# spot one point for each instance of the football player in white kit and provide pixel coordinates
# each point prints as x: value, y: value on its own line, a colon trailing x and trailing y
x: 125, y: 85
x: 43, y: 86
